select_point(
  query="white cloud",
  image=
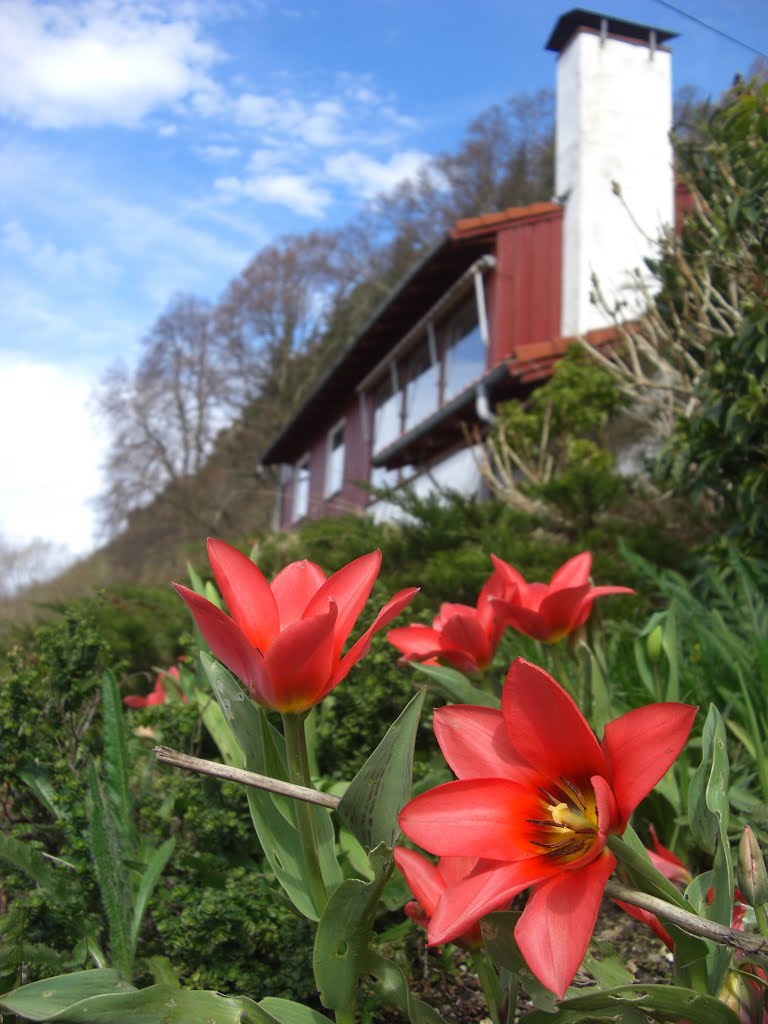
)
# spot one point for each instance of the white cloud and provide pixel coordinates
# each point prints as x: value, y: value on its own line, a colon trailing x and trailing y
x: 50, y: 459
x: 97, y: 62
x: 316, y: 124
x: 369, y: 177
x: 295, y: 191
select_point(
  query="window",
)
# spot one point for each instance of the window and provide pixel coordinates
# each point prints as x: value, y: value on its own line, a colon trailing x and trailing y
x: 334, y: 465
x: 465, y: 354
x: 422, y: 381
x: 386, y: 412
x: 301, y: 489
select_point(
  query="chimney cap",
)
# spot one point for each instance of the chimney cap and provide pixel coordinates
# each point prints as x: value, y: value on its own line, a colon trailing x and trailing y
x: 578, y: 18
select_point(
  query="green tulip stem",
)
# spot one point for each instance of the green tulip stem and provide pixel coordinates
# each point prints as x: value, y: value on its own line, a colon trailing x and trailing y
x: 345, y: 1016
x: 299, y: 774
x: 489, y: 980
x: 762, y: 920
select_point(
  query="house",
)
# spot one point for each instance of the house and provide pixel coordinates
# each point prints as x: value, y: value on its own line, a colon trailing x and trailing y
x: 484, y: 315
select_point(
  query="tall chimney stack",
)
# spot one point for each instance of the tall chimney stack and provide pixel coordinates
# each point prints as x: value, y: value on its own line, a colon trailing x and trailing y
x: 613, y: 122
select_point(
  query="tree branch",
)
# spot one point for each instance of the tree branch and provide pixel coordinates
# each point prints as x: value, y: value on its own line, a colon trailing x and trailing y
x: 689, y: 922
x: 224, y: 771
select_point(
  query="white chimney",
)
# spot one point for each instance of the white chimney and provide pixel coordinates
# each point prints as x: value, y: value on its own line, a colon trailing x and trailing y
x: 613, y: 119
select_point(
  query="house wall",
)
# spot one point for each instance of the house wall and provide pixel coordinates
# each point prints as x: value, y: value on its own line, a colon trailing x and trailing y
x: 524, y: 291
x: 614, y: 115
x: 351, y: 497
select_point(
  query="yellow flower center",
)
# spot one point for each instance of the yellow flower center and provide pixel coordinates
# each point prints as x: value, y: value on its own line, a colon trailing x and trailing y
x: 567, y: 827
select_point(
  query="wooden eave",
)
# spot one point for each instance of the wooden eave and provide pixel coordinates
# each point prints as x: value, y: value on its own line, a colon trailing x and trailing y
x: 468, y: 240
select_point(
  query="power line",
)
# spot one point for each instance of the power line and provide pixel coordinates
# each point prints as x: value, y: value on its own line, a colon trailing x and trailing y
x: 712, y: 28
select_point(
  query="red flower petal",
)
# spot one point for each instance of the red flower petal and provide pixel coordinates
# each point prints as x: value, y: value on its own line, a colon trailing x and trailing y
x: 559, y: 918
x: 649, y: 919
x: 360, y: 648
x: 640, y: 746
x: 546, y: 728
x: 229, y: 645
x: 585, y: 609
x: 415, y: 642
x: 524, y: 620
x: 464, y: 633
x: 573, y: 573
x: 475, y: 744
x: 462, y: 905
x: 134, y: 701
x: 561, y: 608
x: 350, y: 588
x: 245, y: 592
x: 294, y: 587
x: 424, y: 880
x: 300, y: 662
x: 475, y: 818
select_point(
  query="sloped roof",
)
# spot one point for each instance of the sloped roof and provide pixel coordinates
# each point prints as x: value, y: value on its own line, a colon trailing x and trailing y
x: 468, y: 240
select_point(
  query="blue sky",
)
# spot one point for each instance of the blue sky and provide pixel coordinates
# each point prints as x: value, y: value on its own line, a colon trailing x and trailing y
x: 149, y: 148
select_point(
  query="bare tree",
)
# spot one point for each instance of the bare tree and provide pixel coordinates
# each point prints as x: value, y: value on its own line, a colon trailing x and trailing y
x: 164, y: 415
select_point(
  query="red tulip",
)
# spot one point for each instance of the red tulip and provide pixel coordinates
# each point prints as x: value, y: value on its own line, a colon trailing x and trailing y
x: 461, y: 636
x: 550, y: 611
x: 536, y: 798
x: 284, y: 639
x: 158, y: 695
x: 428, y: 882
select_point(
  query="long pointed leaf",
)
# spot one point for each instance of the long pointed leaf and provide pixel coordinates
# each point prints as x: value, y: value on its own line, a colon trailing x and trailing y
x: 108, y: 860
x: 382, y: 786
x: 147, y: 883
x: 115, y: 761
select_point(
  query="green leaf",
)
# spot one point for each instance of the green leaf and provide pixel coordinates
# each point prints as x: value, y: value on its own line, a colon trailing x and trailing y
x: 147, y: 883
x: 603, y: 963
x: 375, y: 796
x: 114, y: 886
x: 456, y: 687
x: 216, y: 723
x: 115, y: 761
x: 31, y: 861
x: 39, y: 781
x: 287, y: 1012
x: 274, y: 817
x: 41, y: 1000
x: 498, y: 930
x: 661, y: 1002
x: 703, y: 821
x: 392, y: 986
x: 344, y: 931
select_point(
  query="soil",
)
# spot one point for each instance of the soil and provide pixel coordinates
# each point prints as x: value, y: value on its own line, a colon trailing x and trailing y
x: 456, y: 994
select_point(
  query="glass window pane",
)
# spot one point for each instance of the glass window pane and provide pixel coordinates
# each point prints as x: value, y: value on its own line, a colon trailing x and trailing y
x: 301, y: 490
x: 386, y: 415
x: 421, y: 395
x: 465, y: 354
x: 334, y: 476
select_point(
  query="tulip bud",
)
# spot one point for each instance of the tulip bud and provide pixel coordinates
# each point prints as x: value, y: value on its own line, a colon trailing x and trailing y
x: 653, y: 644
x: 751, y: 874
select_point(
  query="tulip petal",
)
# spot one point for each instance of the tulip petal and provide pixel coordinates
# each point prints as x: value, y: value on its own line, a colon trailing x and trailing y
x: 464, y: 633
x: 573, y: 573
x: 415, y: 642
x: 546, y: 727
x: 649, y: 919
x: 475, y: 744
x: 360, y: 648
x: 462, y: 905
x: 559, y: 918
x: 300, y: 662
x: 246, y: 593
x: 509, y: 578
x: 523, y: 620
x: 585, y: 609
x: 639, y: 748
x: 350, y: 588
x: 561, y: 607
x: 423, y: 878
x: 294, y: 587
x: 489, y: 818
x: 229, y: 644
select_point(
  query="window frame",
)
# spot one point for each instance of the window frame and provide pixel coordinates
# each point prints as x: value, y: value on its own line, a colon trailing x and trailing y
x: 332, y: 487
x: 304, y: 482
